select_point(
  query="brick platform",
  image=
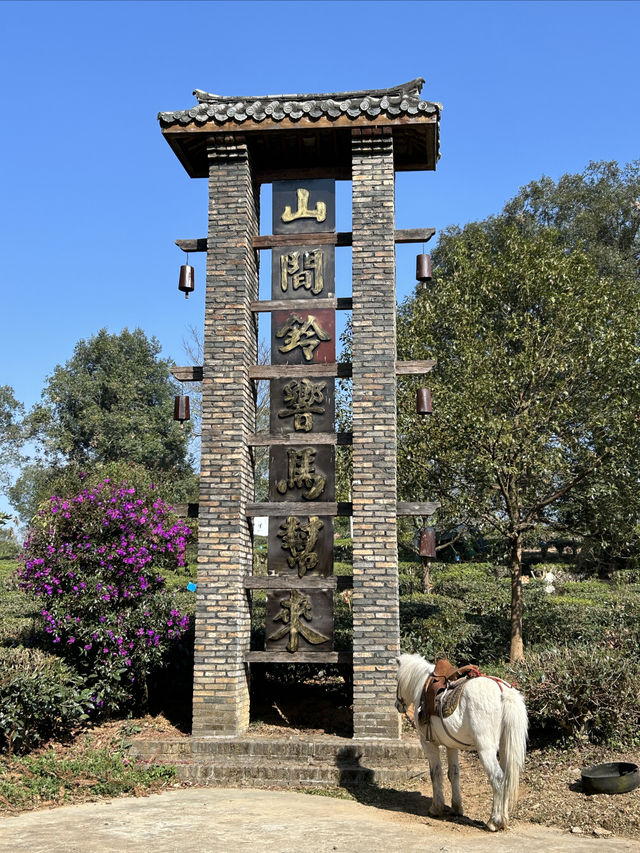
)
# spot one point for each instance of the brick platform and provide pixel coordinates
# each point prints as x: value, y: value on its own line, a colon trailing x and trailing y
x: 263, y: 762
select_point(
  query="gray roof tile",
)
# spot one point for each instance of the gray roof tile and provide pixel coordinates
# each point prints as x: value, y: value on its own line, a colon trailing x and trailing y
x: 398, y: 100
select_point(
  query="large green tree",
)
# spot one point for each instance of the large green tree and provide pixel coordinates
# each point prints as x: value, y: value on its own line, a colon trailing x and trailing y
x: 536, y: 383
x: 111, y: 402
x: 11, y: 434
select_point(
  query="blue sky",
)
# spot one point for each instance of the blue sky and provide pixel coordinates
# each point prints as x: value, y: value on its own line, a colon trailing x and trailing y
x: 93, y: 198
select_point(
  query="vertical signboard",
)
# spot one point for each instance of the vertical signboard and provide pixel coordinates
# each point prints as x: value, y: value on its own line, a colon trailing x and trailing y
x: 301, y: 546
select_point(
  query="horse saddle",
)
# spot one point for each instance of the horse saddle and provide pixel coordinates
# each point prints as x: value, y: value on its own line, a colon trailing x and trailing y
x: 443, y: 688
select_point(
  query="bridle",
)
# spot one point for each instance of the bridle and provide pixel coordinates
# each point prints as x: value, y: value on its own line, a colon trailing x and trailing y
x: 401, y: 708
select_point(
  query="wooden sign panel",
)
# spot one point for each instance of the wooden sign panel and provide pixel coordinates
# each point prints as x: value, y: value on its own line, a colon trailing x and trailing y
x: 304, y: 206
x: 302, y: 405
x: 299, y: 620
x: 303, y: 337
x: 301, y: 546
x: 303, y: 272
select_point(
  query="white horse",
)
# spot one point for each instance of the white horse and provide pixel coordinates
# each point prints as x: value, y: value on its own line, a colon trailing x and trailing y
x: 489, y: 717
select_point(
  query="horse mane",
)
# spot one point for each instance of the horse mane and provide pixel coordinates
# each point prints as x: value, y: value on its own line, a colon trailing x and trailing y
x: 413, y: 671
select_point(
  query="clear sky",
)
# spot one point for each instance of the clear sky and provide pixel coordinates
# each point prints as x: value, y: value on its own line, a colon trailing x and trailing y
x: 93, y: 198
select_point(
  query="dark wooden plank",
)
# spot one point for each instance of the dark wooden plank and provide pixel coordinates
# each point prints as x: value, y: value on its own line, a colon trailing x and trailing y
x: 194, y: 244
x: 342, y: 370
x: 289, y: 582
x: 411, y: 368
x: 339, y: 582
x: 322, y: 238
x: 190, y: 373
x: 414, y: 508
x: 187, y: 510
x: 266, y: 508
x: 298, y: 657
x: 341, y: 304
x: 266, y: 439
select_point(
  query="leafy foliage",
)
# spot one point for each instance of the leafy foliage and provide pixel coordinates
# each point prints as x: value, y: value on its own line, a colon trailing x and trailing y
x: 581, y: 692
x: 11, y: 433
x: 94, y: 562
x: 40, y: 698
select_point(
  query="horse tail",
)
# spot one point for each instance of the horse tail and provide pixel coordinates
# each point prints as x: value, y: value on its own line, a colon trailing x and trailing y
x: 513, y: 744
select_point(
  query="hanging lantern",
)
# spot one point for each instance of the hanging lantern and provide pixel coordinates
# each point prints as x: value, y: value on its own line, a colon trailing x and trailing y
x: 423, y: 402
x: 423, y: 268
x: 428, y: 542
x: 181, y: 409
x: 187, y: 280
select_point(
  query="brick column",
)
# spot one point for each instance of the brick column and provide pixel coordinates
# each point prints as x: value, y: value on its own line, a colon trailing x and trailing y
x: 376, y: 631
x: 220, y: 689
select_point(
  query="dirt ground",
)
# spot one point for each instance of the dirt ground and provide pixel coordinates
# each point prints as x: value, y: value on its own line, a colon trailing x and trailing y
x: 550, y: 791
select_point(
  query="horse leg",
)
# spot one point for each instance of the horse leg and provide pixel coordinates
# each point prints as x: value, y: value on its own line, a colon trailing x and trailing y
x: 453, y: 772
x: 493, y: 770
x: 435, y: 771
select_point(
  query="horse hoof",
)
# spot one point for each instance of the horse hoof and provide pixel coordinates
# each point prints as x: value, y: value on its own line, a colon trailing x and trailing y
x: 492, y: 827
x: 436, y: 812
x: 457, y: 809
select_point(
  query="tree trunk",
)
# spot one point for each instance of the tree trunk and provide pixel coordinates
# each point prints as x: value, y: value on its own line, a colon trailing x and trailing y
x: 515, y: 565
x: 426, y: 575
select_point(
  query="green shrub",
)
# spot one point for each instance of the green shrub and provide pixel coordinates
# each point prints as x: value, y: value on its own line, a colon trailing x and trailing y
x: 40, y: 697
x: 586, y: 612
x: 585, y: 692
x: 343, y: 550
x: 434, y: 626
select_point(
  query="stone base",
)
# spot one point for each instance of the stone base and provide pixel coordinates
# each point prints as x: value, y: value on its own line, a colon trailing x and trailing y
x: 295, y: 763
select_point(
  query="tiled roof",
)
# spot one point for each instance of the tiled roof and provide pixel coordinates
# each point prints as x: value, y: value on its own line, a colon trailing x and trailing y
x: 397, y: 101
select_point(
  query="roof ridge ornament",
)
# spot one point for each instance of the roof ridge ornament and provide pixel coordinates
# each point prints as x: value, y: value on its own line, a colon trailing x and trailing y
x: 412, y: 89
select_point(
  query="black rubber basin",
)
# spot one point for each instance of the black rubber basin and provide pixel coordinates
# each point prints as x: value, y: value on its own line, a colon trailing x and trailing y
x: 616, y: 778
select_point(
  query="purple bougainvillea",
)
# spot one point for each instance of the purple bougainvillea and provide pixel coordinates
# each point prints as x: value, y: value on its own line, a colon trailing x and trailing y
x: 95, y: 561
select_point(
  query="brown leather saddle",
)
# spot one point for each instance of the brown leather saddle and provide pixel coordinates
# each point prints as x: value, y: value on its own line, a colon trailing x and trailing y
x: 446, y: 682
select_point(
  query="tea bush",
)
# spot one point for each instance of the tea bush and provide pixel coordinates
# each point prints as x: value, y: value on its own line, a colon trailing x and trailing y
x: 94, y: 561
x: 40, y: 698
x: 581, y: 693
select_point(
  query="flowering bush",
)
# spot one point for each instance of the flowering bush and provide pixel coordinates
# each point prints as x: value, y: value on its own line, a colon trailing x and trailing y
x: 95, y: 561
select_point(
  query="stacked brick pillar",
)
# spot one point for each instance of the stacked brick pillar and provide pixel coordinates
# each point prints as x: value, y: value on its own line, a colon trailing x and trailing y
x: 220, y: 693
x: 375, y: 551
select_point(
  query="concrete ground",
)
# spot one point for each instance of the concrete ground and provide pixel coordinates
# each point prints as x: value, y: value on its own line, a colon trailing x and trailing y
x: 217, y: 820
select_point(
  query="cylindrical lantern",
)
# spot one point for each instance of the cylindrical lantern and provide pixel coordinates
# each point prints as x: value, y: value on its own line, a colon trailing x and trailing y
x: 427, y: 542
x: 423, y: 268
x: 181, y: 409
x: 187, y: 280
x: 423, y: 402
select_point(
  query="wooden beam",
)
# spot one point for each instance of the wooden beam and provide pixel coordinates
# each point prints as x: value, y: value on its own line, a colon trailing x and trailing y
x: 265, y: 439
x: 285, y: 371
x: 187, y: 510
x: 342, y: 370
x: 284, y: 508
x: 409, y: 508
x: 291, y: 582
x: 341, y: 304
x: 298, y: 657
x: 322, y: 238
x: 191, y: 373
x: 412, y: 368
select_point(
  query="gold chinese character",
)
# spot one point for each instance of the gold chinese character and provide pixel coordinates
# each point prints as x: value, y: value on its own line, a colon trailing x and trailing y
x: 303, y: 212
x: 305, y: 269
x: 306, y: 334
x: 291, y: 613
x: 303, y: 400
x: 300, y: 540
x: 302, y: 474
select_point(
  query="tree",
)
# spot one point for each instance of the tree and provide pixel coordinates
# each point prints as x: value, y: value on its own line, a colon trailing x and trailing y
x: 536, y: 383
x: 597, y: 211
x: 111, y: 402
x: 11, y: 434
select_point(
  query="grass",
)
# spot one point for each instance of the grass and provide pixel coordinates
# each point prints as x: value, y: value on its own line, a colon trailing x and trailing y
x: 20, y: 616
x: 58, y: 775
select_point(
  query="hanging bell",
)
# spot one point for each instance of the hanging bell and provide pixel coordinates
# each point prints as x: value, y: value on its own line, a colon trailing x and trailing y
x: 428, y: 542
x: 187, y: 280
x: 423, y: 268
x: 181, y: 409
x: 423, y: 402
